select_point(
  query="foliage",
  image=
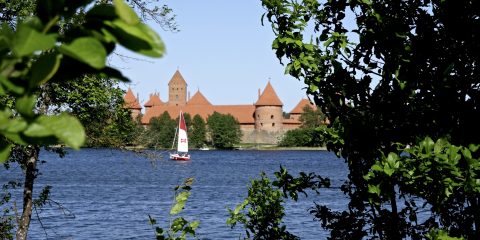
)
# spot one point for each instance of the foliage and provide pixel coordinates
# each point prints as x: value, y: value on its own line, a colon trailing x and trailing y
x: 161, y: 131
x: 423, y: 58
x: 10, y: 11
x: 302, y: 137
x: 312, y: 118
x: 224, y: 130
x: 42, y: 49
x: 7, y: 218
x: 97, y: 98
x: 35, y: 54
x: 310, y: 134
x: 179, y: 227
x: 263, y: 218
x: 197, y: 132
x: 433, y: 171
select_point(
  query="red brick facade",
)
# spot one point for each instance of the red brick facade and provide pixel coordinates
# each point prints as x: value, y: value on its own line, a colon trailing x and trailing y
x: 261, y: 122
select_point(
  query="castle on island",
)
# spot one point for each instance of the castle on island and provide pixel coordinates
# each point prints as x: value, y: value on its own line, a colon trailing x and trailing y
x: 261, y: 122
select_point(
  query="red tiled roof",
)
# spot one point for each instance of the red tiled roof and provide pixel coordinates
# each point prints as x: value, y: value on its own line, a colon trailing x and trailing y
x: 243, y: 113
x: 299, y: 108
x: 130, y: 100
x: 154, y: 100
x: 269, y: 97
x: 198, y: 99
x: 177, y: 78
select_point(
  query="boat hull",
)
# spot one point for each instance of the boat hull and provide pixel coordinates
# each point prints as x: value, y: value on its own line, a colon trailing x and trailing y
x: 178, y: 157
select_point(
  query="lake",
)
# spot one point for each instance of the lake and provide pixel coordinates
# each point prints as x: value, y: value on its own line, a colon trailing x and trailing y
x: 108, y: 194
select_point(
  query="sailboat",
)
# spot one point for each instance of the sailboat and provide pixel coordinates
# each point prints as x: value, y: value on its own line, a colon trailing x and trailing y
x: 182, y: 144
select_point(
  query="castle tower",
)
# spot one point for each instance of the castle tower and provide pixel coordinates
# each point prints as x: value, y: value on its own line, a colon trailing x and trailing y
x: 131, y: 102
x: 177, y: 90
x: 268, y: 111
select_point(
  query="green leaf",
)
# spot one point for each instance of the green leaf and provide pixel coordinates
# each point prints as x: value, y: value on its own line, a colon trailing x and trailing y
x: 101, y: 11
x: 66, y: 128
x: 37, y: 130
x: 139, y: 38
x: 15, y: 125
x: 26, y: 104
x: 374, y: 189
x: 156, y: 43
x: 11, y: 86
x: 194, y: 225
x: 87, y: 50
x: 178, y: 224
x: 29, y: 40
x: 181, y: 199
x: 5, y: 149
x: 183, y: 196
x: 377, y: 167
x: 6, y: 36
x: 114, y: 73
x: 44, y: 69
x: 125, y: 12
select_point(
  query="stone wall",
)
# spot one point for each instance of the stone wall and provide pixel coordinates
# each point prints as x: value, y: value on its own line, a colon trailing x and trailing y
x: 261, y: 136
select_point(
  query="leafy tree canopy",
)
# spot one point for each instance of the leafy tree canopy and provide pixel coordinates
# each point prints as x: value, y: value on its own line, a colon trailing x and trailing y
x: 224, y: 130
x: 39, y: 50
x: 404, y: 73
x: 197, y: 132
x: 161, y: 131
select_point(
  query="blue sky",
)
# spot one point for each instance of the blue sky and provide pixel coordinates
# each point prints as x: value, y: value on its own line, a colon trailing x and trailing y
x: 221, y: 49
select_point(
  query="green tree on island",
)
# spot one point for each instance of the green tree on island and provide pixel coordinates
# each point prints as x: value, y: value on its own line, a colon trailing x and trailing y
x: 197, y: 132
x: 400, y: 87
x: 310, y: 133
x: 49, y: 46
x: 224, y: 130
x: 161, y: 131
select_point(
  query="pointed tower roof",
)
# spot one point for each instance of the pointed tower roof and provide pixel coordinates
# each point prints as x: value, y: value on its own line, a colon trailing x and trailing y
x: 269, y: 97
x: 130, y: 100
x: 177, y: 78
x: 299, y: 108
x: 198, y: 99
x: 154, y: 100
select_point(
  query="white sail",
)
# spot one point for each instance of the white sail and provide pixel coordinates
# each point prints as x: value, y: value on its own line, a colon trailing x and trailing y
x: 182, y: 145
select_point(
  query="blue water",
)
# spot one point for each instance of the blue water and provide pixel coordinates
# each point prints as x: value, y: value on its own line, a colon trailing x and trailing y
x: 108, y: 194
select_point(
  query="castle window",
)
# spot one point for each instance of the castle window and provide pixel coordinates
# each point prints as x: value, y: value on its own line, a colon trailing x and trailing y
x: 273, y: 124
x: 261, y: 124
x: 271, y: 116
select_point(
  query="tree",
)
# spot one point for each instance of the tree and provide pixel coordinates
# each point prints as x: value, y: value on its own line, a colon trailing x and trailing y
x: 161, y: 131
x: 404, y: 73
x: 312, y: 118
x: 310, y: 133
x: 264, y: 216
x: 197, y: 132
x: 38, y: 51
x: 224, y: 130
x: 97, y: 98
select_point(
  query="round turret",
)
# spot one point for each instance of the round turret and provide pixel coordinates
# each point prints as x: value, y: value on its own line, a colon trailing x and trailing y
x: 269, y: 111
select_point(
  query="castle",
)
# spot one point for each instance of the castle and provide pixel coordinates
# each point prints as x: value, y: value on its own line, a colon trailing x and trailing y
x: 261, y: 122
